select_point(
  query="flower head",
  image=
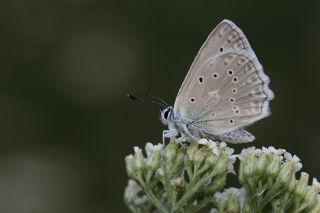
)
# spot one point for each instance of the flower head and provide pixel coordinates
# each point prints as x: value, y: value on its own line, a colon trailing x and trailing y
x: 272, y: 150
x: 150, y: 148
x: 295, y: 159
x: 223, y: 196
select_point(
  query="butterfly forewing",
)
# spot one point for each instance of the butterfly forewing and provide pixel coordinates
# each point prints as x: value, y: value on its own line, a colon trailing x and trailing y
x: 226, y: 87
x: 224, y: 37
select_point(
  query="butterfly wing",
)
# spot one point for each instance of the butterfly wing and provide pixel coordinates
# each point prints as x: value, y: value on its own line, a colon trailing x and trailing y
x: 225, y: 87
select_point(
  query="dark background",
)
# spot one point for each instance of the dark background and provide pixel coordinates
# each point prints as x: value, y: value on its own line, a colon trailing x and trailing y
x: 66, y: 66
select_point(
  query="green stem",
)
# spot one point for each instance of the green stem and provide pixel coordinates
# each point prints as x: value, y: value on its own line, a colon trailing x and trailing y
x: 199, y: 206
x: 188, y: 167
x: 161, y: 208
x: 191, y: 190
x: 168, y: 188
x: 147, y: 188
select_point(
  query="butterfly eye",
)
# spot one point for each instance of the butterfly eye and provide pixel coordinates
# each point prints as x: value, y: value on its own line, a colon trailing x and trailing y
x: 166, y: 113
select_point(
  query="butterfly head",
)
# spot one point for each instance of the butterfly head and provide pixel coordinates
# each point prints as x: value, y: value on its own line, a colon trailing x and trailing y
x: 166, y: 115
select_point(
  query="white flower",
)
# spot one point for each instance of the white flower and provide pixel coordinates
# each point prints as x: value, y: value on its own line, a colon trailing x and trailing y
x: 316, y: 184
x: 203, y: 141
x: 229, y: 150
x: 232, y: 159
x: 136, y: 149
x: 195, y: 203
x: 150, y: 148
x: 246, y: 151
x: 213, y: 210
x: 272, y: 150
x: 132, y: 192
x: 230, y: 167
x: 223, y: 196
x: 214, y: 147
x: 295, y: 159
x: 217, y: 148
x: 222, y: 144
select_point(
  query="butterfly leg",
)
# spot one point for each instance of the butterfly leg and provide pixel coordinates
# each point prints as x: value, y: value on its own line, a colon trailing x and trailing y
x: 236, y: 136
x: 188, y: 134
x: 169, y: 133
x: 182, y: 138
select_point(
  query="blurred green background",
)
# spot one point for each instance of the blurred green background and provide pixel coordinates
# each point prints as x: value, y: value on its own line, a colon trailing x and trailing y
x: 66, y: 66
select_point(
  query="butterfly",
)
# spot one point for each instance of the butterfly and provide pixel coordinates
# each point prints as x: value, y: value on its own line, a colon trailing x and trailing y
x: 224, y: 91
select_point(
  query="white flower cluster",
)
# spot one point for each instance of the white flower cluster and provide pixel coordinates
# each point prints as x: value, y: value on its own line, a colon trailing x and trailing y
x: 222, y: 197
x: 284, y: 155
x: 132, y: 194
x: 217, y: 148
x: 151, y: 148
x: 295, y: 159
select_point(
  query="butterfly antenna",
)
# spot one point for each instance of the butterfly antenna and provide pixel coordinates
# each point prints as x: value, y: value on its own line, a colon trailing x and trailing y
x: 151, y: 99
x: 156, y: 100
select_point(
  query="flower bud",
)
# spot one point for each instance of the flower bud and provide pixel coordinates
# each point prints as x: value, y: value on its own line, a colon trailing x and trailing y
x: 286, y: 172
x: 261, y: 165
x: 248, y: 166
x: 178, y: 184
x: 233, y: 204
x: 216, y: 184
x: 292, y: 183
x: 178, y: 162
x: 246, y: 208
x: 301, y: 187
x: 131, y: 190
x: 311, y: 197
x: 192, y: 150
x: 274, y: 166
x: 211, y: 160
x: 138, y: 161
x: 129, y: 165
x: 222, y: 164
x: 316, y: 184
x: 153, y: 161
x: 171, y: 150
x: 315, y: 209
x: 160, y: 174
x: 199, y: 156
x: 240, y: 173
